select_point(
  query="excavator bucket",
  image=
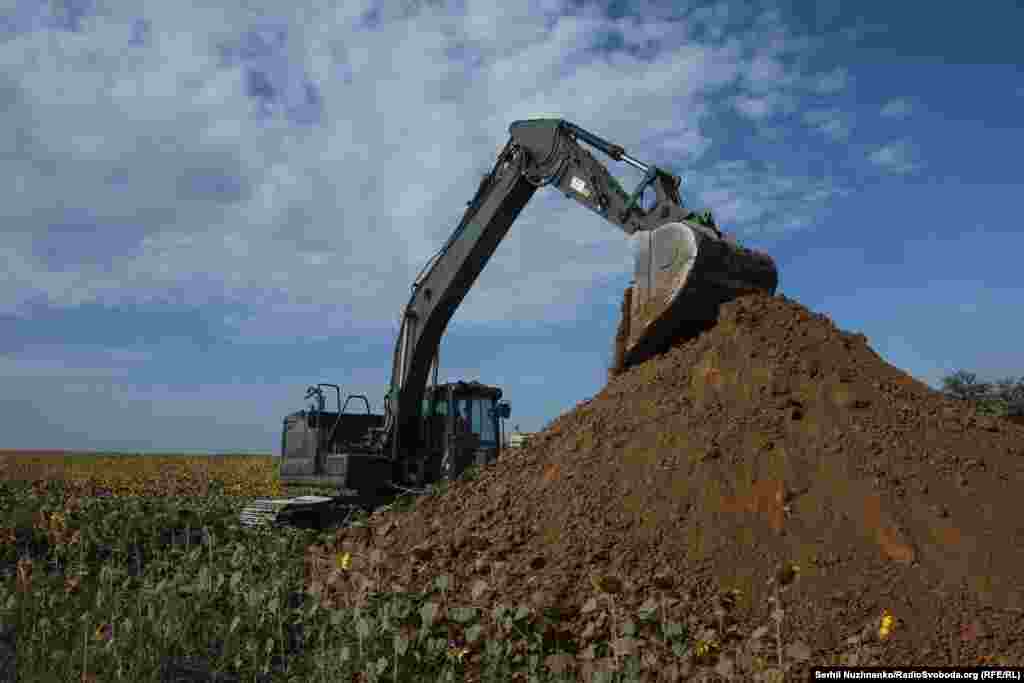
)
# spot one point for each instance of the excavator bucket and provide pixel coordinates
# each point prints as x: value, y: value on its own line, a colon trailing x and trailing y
x: 684, y: 272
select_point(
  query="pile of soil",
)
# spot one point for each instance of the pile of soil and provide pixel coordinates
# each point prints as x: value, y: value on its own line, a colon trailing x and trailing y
x: 772, y: 439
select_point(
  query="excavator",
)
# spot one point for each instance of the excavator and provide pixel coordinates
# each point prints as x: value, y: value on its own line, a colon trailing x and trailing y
x: 685, y: 268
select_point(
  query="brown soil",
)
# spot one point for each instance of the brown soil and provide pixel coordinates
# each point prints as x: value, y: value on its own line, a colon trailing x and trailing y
x: 773, y: 438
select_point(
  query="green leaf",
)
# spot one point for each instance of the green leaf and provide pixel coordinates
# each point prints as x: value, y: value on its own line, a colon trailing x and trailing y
x: 462, y: 615
x: 428, y: 613
x: 363, y: 628
x: 648, y: 610
x: 473, y: 633
x: 204, y: 577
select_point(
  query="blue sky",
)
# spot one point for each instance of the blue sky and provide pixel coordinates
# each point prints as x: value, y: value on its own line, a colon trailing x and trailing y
x: 211, y: 207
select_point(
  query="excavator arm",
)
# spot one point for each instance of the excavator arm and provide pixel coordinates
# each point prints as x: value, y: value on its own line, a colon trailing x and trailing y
x: 557, y: 157
x: 685, y: 267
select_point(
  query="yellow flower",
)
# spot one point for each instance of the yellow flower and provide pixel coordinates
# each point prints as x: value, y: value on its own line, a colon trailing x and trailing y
x: 886, y: 626
x: 104, y: 632
x: 606, y: 584
x: 58, y: 522
x: 457, y: 653
x: 343, y: 561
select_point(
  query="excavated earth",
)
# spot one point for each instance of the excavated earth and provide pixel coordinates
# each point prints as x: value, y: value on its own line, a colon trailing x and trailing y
x: 772, y: 439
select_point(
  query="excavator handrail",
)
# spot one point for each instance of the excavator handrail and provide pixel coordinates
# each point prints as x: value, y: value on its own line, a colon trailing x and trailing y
x: 352, y: 396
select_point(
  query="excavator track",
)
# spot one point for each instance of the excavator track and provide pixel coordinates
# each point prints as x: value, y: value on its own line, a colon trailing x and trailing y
x: 319, y: 512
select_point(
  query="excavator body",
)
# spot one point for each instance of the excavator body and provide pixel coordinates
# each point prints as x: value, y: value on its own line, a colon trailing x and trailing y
x: 460, y: 425
x: 685, y: 269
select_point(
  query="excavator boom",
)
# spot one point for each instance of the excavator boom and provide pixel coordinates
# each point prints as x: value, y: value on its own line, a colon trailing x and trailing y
x: 437, y: 293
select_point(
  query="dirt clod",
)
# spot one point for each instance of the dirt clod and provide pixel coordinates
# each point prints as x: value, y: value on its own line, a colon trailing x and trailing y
x: 773, y: 440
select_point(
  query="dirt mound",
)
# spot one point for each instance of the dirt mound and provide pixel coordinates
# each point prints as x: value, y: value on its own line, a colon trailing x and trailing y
x: 773, y: 438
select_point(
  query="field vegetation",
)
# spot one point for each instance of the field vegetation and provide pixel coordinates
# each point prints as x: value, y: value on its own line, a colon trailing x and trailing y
x: 135, y: 568
x: 122, y: 568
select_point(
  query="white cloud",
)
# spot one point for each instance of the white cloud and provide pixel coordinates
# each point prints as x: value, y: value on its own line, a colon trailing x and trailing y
x: 72, y: 361
x: 831, y: 82
x: 129, y: 355
x: 752, y: 107
x: 896, y: 109
x: 829, y: 122
x: 180, y: 183
x: 968, y: 307
x: 860, y: 30
x: 759, y: 199
x: 12, y: 368
x: 897, y: 157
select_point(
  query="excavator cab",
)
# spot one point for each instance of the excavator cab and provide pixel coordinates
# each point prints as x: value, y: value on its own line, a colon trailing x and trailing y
x: 462, y: 426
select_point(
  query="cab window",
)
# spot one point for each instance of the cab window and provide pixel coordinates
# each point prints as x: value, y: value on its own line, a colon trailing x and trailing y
x: 483, y: 422
x: 475, y: 412
x: 463, y: 412
x: 440, y: 407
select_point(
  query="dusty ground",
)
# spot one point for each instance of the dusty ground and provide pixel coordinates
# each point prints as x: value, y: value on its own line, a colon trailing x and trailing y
x: 773, y: 438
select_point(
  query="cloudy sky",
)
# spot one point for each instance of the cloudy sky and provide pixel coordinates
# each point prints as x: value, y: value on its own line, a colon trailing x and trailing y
x: 211, y: 205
